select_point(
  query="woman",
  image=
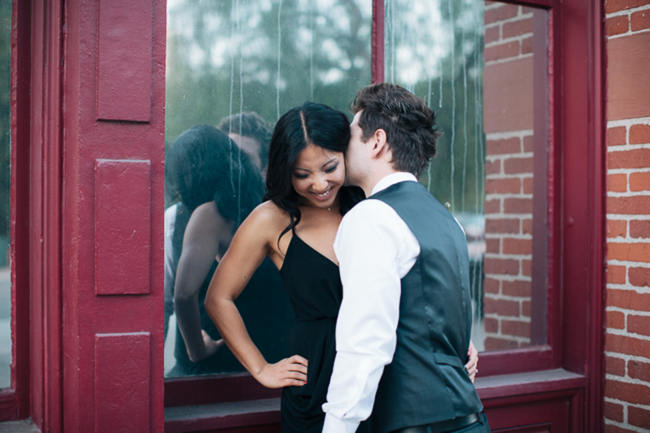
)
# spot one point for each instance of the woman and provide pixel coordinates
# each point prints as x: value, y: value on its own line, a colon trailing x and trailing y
x: 295, y: 228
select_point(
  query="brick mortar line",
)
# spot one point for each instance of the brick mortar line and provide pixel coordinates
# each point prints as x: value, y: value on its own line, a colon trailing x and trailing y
x: 625, y: 240
x: 626, y: 379
x: 623, y: 35
x: 511, y: 337
x: 628, y: 122
x: 520, y: 155
x: 500, y: 297
x: 508, y: 59
x: 625, y: 425
x: 614, y: 194
x: 507, y: 257
x: 628, y: 11
x: 511, y: 278
x: 523, y: 319
x: 627, y: 311
x: 625, y: 356
x: 517, y: 38
x: 493, y: 6
x: 627, y: 217
x: 640, y: 194
x: 628, y: 170
x: 625, y: 333
x: 508, y: 157
x: 511, y: 134
x: 629, y: 287
x: 626, y: 147
x: 629, y: 263
x: 517, y: 17
x: 615, y: 400
x: 509, y: 175
x: 509, y: 195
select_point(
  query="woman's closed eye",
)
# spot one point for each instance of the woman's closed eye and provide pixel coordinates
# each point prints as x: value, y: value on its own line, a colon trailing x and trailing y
x: 331, y: 168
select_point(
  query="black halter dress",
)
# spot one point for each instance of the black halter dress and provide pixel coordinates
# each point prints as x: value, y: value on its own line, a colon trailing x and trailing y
x: 314, y: 287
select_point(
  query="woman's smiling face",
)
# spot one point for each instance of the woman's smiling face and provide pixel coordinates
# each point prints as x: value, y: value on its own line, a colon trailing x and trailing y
x: 318, y: 175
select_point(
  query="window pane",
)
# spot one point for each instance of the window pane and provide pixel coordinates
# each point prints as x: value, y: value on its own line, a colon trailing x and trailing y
x: 5, y: 172
x: 247, y: 56
x: 473, y: 62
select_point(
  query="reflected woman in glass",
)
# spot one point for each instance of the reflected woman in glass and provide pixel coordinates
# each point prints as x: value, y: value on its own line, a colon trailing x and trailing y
x: 218, y: 186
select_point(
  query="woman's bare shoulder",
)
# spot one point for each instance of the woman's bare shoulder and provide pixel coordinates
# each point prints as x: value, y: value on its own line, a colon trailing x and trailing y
x: 267, y: 217
x: 269, y: 213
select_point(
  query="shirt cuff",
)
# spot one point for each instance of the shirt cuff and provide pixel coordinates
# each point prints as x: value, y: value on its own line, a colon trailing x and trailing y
x: 336, y: 425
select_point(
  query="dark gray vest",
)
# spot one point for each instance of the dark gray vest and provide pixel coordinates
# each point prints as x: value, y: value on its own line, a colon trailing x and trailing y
x: 426, y: 382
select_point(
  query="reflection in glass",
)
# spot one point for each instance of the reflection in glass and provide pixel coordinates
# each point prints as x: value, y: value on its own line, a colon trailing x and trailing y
x: 5, y: 172
x: 472, y: 61
x: 238, y: 66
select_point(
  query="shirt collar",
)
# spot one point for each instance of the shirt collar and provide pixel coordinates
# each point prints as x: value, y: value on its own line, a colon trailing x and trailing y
x: 392, y: 179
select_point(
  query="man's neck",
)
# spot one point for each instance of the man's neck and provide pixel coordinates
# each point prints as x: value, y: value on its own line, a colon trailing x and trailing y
x: 378, y: 174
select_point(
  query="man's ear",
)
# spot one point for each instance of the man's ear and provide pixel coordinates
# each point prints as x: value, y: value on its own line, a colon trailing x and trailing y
x: 379, y: 146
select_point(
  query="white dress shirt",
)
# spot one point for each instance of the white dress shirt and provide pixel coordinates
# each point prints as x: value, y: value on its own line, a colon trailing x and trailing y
x: 375, y: 250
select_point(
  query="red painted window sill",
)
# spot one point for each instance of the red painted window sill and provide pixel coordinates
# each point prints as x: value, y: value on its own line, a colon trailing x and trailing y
x: 265, y: 413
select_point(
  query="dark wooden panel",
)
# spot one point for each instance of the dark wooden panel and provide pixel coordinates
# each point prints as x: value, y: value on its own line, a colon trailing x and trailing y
x: 122, y: 227
x: 122, y: 383
x: 124, y: 60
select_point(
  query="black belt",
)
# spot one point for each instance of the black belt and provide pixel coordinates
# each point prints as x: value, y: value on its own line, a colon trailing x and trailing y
x: 443, y: 426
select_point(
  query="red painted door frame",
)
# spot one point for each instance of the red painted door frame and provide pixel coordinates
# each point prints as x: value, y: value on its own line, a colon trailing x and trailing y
x: 88, y: 159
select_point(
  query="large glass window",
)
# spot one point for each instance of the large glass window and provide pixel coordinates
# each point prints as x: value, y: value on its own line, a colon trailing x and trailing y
x: 472, y: 61
x: 5, y: 173
x: 237, y: 66
x: 480, y: 65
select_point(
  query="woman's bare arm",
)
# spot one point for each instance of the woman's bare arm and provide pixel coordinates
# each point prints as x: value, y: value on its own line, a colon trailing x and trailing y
x: 250, y: 245
x: 204, y: 231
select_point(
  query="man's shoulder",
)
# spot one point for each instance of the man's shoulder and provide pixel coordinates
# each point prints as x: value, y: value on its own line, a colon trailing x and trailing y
x: 365, y: 209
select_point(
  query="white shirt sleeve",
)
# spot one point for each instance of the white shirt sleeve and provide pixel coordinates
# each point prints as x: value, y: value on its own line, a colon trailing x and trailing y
x: 375, y: 249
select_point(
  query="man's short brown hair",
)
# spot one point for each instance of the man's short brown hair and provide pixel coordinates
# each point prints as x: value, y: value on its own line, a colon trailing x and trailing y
x: 408, y: 122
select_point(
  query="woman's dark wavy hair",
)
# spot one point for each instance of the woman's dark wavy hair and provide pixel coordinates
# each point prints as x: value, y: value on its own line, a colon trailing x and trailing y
x: 310, y: 123
x: 206, y: 165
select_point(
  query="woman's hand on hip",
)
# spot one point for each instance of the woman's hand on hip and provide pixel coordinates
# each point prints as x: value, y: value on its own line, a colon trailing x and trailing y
x: 472, y: 363
x: 290, y: 371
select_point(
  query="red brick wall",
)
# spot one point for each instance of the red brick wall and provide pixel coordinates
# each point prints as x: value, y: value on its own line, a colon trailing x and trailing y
x: 508, y: 117
x: 627, y: 343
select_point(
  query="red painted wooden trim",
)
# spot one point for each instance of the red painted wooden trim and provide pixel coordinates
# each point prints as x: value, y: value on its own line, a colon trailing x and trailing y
x: 516, y: 361
x: 377, y: 41
x: 14, y: 402
x: 555, y: 204
x: 259, y: 415
x: 596, y: 136
x: 498, y: 394
x: 53, y: 155
x: 194, y: 390
x: 542, y: 230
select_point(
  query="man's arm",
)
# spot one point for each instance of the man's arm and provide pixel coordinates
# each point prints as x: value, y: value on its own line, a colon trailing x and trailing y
x: 372, y: 247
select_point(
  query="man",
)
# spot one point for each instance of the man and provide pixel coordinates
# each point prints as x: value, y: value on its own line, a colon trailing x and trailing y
x: 252, y: 134
x: 403, y: 329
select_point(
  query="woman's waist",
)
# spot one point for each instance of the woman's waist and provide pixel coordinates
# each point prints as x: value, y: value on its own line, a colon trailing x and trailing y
x: 315, y: 321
